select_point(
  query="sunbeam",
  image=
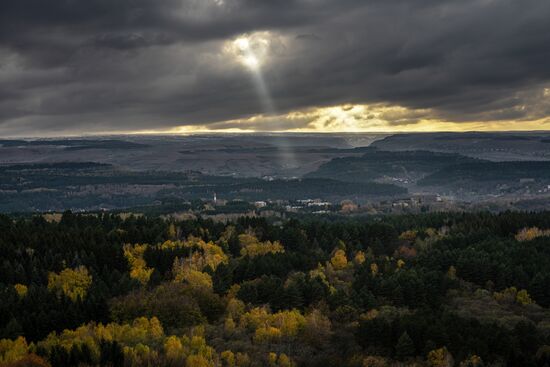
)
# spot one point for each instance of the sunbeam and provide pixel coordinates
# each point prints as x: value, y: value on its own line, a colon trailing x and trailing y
x: 252, y: 52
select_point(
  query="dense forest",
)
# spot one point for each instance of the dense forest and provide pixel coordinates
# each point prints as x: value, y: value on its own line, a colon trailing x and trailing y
x: 434, y: 290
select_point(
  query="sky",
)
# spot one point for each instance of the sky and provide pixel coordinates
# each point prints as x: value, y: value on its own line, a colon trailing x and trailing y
x: 70, y: 67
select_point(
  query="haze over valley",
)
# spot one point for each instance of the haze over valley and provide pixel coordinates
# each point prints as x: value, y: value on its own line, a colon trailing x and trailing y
x: 499, y: 170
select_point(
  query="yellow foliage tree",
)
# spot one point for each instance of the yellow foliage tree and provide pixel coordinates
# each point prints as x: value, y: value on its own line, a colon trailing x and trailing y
x: 235, y: 308
x: 432, y: 232
x: 473, y: 361
x: 21, y: 290
x: 135, y: 338
x: 195, y: 278
x: 246, y: 239
x: 143, y: 342
x: 267, y: 334
x: 203, y: 253
x: 198, y: 361
x: 339, y: 260
x: 319, y: 272
x: 140, y: 355
x: 13, y: 350
x: 73, y: 283
x: 290, y: 322
x: 284, y: 361
x: 440, y: 358
x: 279, y: 361
x: 242, y: 360
x: 512, y: 295
x: 252, y: 247
x: 409, y: 236
x: 255, y: 318
x: 213, y: 255
x: 228, y: 358
x: 173, y: 349
x: 171, y: 232
x: 374, y: 269
x: 523, y: 298
x: 142, y: 275
x: 170, y: 245
x: 529, y: 234
x: 229, y: 325
x: 138, y: 267
x: 272, y: 359
x: 359, y: 258
x: 270, y: 327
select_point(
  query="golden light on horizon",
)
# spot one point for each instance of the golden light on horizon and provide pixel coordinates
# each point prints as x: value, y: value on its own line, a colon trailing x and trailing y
x: 358, y: 118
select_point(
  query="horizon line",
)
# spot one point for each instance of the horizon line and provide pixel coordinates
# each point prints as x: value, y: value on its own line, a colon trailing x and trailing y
x: 244, y: 132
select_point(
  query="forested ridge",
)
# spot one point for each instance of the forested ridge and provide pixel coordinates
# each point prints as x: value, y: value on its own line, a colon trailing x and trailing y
x: 469, y: 289
x: 89, y: 186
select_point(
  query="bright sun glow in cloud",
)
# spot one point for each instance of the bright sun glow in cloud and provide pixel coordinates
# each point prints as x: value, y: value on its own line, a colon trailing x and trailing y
x: 251, y: 50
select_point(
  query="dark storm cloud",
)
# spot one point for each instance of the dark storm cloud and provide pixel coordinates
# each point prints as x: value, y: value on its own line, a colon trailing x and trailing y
x: 98, y: 65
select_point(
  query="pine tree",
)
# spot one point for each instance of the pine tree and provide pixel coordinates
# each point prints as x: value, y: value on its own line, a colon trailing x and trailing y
x: 404, y: 347
x: 12, y: 329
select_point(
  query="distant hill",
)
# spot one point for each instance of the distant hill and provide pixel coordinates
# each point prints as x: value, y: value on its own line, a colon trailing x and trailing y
x: 240, y: 155
x: 91, y: 186
x: 75, y: 144
x: 375, y: 164
x: 71, y: 166
x: 471, y: 174
x: 501, y: 146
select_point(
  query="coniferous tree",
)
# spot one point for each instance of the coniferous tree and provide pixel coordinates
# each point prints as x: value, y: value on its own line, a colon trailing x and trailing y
x: 404, y: 347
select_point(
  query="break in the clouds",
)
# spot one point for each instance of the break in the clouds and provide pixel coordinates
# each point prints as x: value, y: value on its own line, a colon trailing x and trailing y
x: 92, y: 66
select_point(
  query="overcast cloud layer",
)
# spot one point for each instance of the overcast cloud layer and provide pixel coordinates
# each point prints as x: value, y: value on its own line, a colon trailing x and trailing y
x: 115, y: 65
